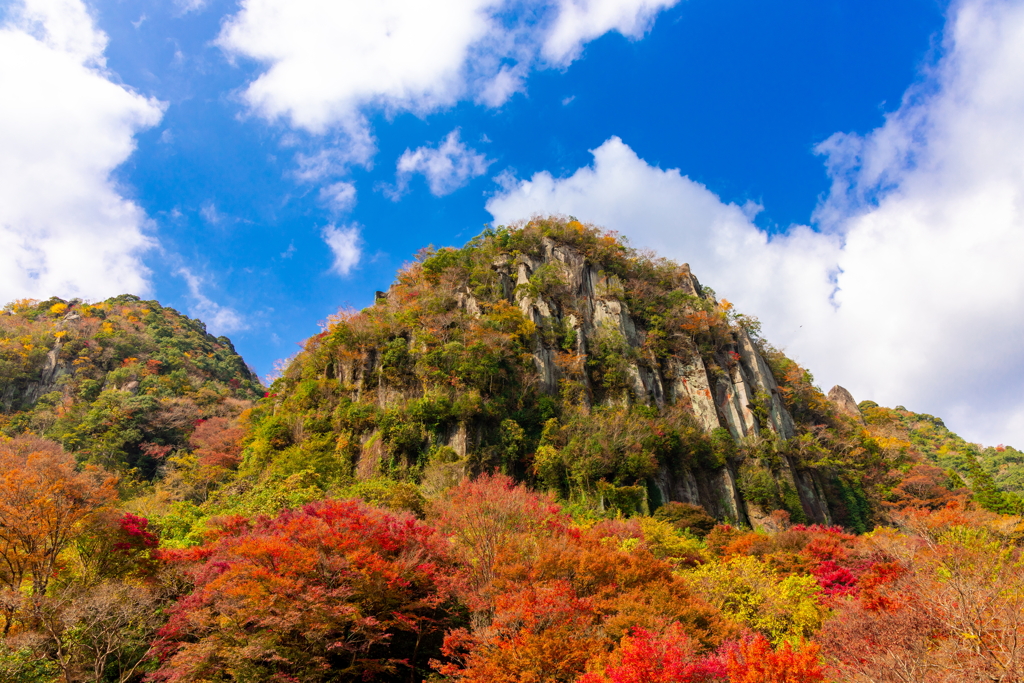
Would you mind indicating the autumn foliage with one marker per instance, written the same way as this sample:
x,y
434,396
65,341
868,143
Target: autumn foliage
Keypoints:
x,y
333,591
466,483
498,584
645,657
44,500
557,596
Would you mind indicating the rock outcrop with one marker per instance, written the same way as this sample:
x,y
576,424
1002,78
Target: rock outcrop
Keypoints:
x,y
728,399
844,402
726,388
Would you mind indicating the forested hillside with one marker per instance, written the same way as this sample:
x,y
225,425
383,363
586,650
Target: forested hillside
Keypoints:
x,y
996,472
121,383
544,456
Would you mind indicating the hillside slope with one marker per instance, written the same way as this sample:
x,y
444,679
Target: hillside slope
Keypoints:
x,y
122,383
939,457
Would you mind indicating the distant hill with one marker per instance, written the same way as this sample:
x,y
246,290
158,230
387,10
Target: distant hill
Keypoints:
x,y
121,383
996,474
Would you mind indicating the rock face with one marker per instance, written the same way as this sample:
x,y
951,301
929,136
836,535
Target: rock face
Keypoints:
x,y
844,402
728,399
730,388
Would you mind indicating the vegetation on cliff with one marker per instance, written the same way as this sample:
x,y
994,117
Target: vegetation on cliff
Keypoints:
x,y
541,457
995,473
555,353
552,352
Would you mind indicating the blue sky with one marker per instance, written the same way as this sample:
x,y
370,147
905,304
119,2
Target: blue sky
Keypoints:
x,y
850,172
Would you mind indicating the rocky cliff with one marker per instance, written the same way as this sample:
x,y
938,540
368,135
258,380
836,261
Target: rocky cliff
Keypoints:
x,y
560,355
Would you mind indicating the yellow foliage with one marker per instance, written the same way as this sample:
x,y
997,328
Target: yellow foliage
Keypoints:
x,y
19,305
667,543
893,444
511,319
58,309
751,592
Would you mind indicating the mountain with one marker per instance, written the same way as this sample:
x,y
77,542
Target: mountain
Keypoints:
x,y
179,522
121,383
550,351
556,353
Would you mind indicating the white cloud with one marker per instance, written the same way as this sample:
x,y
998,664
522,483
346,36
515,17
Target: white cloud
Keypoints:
x,y
446,167
64,26
219,319
352,145
910,291
327,61
580,21
65,227
345,244
340,197
680,218
187,6
211,215
932,209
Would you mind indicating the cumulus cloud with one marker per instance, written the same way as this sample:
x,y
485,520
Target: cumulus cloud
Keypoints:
x,y
909,290
328,61
65,227
351,145
783,280
931,206
446,167
219,319
346,247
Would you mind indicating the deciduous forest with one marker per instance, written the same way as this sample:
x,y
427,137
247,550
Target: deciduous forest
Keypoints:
x,y
544,456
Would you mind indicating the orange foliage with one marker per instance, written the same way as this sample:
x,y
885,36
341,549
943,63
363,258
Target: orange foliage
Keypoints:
x,y
44,502
753,660
548,597
492,521
218,442
941,611
542,632
923,486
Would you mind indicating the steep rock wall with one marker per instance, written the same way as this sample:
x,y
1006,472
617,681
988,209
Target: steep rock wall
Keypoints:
x,y
733,389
